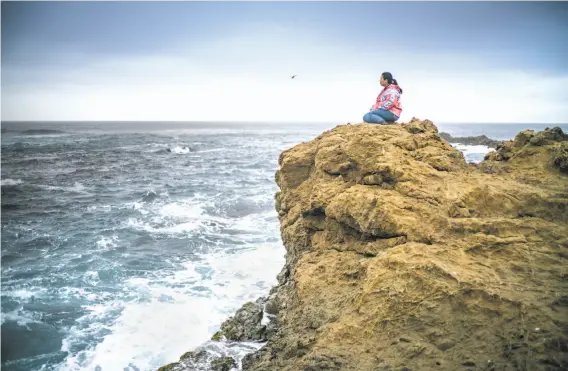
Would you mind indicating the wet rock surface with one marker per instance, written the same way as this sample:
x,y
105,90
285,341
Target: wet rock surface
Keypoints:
x,y
246,324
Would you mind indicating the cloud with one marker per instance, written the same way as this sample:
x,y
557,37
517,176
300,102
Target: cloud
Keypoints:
x,y
489,96
243,78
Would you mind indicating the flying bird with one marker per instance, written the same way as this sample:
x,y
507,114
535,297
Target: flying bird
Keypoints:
x,y
293,76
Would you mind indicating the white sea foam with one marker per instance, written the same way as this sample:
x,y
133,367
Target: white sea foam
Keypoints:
x,y
132,315
163,316
22,318
91,278
472,148
105,208
181,210
180,150
10,182
77,188
40,158
473,154
67,293
172,218
164,228
255,223
107,243
177,312
26,294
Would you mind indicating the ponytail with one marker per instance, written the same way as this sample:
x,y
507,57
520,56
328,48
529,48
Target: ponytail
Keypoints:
x,y
396,83
388,76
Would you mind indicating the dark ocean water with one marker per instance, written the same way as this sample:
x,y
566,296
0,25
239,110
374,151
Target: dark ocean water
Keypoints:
x,y
126,244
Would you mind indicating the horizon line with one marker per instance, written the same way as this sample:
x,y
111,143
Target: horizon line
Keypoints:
x,y
266,122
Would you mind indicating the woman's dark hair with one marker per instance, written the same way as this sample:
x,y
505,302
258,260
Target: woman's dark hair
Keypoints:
x,y
388,76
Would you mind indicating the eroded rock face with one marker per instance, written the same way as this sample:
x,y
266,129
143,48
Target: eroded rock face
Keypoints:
x,y
400,255
550,146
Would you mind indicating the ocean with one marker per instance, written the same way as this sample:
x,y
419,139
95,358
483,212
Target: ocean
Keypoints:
x,y
126,244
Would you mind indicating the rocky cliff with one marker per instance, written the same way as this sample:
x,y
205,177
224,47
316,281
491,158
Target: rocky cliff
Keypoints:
x,y
401,256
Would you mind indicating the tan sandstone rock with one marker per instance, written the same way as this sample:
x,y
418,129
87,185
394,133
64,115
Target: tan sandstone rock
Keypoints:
x,y
401,256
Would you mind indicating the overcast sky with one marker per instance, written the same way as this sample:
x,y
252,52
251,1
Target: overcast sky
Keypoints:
x,y
456,61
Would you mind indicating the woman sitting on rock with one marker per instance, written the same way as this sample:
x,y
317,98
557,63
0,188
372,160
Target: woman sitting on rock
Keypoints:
x,y
387,107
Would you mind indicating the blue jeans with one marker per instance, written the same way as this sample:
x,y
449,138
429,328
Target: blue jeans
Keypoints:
x,y
379,116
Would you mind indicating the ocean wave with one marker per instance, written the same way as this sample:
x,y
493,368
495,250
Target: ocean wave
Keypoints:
x,y
107,243
104,208
180,150
30,160
150,196
190,304
11,182
181,217
161,238
26,294
165,227
43,132
213,150
20,317
76,188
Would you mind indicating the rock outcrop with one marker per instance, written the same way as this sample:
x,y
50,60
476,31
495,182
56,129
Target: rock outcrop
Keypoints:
x,y
401,256
247,324
187,360
482,140
201,360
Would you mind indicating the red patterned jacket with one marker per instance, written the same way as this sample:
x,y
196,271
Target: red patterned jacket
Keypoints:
x,y
389,99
